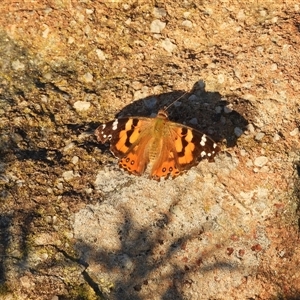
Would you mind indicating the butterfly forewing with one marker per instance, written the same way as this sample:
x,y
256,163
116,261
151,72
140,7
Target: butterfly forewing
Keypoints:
x,y
118,133
205,147
126,143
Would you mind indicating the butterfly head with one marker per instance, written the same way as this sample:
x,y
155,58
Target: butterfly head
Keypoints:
x,y
162,114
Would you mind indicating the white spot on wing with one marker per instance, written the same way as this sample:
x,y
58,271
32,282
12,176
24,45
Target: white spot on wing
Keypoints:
x,y
203,153
115,124
203,140
103,126
215,145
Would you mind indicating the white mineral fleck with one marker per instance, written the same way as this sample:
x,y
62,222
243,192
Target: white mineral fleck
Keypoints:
x,y
82,105
228,109
187,23
75,160
88,77
260,161
294,132
276,137
157,26
100,54
17,65
273,67
221,78
168,45
250,128
259,136
69,175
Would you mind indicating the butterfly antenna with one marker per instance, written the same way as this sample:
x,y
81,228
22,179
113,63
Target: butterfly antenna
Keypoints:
x,y
167,107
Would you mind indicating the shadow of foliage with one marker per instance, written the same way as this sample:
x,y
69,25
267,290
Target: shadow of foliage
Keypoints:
x,y
136,260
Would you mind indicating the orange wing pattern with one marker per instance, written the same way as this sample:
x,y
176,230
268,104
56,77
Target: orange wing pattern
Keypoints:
x,y
169,147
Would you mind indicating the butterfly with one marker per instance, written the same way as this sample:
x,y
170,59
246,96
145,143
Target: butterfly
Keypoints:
x,y
167,148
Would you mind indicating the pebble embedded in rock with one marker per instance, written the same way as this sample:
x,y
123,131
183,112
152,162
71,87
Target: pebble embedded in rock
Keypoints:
x,y
294,132
274,67
150,103
26,282
260,161
69,175
75,160
60,186
193,97
276,137
126,262
82,105
187,23
259,136
193,121
100,54
250,128
17,65
238,131
157,26
88,77
218,109
143,93
221,78
168,45
227,109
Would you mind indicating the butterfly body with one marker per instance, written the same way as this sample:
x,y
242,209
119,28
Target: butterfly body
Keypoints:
x,y
167,148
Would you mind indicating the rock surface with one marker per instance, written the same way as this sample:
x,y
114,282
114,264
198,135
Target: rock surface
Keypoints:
x,y
75,226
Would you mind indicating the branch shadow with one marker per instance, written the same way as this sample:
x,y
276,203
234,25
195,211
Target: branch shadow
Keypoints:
x,y
14,228
137,260
5,223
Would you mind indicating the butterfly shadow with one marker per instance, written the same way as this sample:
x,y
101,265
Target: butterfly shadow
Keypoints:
x,y
223,119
